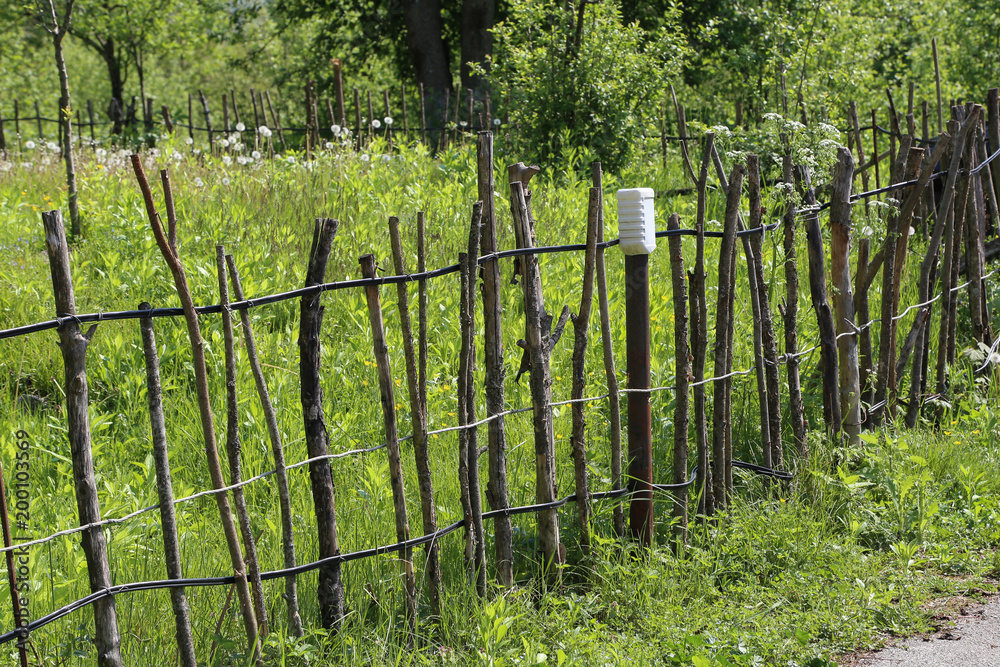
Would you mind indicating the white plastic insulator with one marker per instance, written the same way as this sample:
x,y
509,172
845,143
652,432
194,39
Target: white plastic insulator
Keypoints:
x,y
636,221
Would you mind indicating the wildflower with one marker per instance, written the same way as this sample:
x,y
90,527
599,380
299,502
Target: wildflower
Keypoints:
x,y
241,160
328,145
226,160
264,131
291,159
335,129
912,231
463,123
496,121
240,127
196,151
376,123
224,143
364,157
30,145
388,120
225,181
198,182
189,141
255,155
386,158
238,146
52,146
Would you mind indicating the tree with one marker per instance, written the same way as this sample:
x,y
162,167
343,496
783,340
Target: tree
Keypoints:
x,y
58,28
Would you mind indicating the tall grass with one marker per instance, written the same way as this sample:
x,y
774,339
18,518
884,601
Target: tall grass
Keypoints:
x,y
788,572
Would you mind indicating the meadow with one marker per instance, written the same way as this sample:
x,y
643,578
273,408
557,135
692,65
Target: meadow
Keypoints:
x,y
793,574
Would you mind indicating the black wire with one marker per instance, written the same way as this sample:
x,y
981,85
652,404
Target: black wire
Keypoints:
x,y
122,589
343,284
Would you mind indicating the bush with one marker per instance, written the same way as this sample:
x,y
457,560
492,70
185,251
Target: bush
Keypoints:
x,y
579,81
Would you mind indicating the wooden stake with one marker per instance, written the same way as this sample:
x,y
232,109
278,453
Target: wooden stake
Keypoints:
x,y
699,337
469,344
234,447
790,315
423,116
727,265
338,89
824,314
682,367
387,396
277,451
937,84
863,320
74,352
15,597
581,329
330,587
495,370
610,374
418,419
208,118
538,344
165,493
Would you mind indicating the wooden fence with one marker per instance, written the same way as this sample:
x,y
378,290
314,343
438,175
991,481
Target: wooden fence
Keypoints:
x,y
861,380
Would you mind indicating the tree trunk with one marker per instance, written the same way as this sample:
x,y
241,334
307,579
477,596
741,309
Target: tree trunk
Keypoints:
x,y
65,119
477,41
427,52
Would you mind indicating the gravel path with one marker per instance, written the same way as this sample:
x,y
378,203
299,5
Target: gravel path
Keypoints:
x,y
974,641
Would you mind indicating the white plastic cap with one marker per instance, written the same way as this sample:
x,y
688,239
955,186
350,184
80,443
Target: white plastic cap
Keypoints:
x,y
636,222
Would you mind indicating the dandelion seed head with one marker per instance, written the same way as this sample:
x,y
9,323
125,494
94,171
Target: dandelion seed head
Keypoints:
x,y
264,131
240,127
30,145
388,120
376,123
255,155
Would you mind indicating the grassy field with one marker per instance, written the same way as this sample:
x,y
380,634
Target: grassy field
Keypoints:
x,y
790,575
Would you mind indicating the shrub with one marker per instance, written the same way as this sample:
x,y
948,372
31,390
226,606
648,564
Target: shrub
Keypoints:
x,y
576,79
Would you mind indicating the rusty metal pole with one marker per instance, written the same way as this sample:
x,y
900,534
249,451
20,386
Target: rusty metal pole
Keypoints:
x,y
638,238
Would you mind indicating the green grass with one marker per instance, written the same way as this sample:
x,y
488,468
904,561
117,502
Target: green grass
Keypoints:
x,y
791,575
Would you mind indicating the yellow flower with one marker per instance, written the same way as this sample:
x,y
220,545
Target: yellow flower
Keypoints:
x,y
958,442
976,431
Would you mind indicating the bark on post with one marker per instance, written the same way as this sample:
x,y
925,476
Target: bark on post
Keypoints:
x,y
423,115
993,134
388,400
768,342
275,119
418,420
581,329
790,313
165,493
330,588
15,596
234,447
862,318
843,304
699,337
727,264
495,371
470,276
824,314
205,413
388,126
682,130
610,373
682,367
465,492
358,139
538,347
277,451
74,352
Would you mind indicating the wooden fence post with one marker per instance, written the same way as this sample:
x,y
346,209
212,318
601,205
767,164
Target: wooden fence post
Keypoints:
x,y
338,90
234,447
821,304
277,450
699,336
388,400
727,266
74,352
581,329
495,370
165,492
15,596
682,368
331,588
538,346
610,374
790,312
840,271
418,420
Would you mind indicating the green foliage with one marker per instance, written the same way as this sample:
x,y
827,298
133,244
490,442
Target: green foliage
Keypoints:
x,y
586,80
